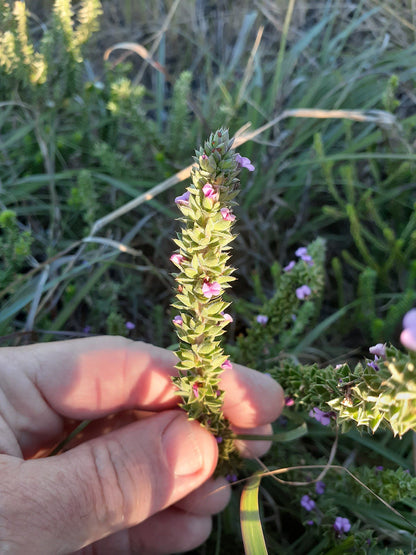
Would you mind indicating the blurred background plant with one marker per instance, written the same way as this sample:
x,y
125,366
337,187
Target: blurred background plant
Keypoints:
x,y
102,102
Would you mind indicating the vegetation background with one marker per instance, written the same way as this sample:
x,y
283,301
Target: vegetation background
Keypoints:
x,y
95,116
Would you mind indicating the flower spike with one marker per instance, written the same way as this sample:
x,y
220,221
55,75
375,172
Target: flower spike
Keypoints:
x,y
203,276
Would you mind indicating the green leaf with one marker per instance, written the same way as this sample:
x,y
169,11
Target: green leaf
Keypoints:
x,y
215,307
251,528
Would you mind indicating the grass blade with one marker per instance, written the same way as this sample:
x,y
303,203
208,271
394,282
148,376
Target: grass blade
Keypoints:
x,y
251,528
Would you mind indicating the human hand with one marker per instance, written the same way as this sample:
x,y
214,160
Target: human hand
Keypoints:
x,y
143,488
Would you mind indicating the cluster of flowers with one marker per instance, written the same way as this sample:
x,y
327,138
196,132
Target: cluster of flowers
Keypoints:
x,y
304,291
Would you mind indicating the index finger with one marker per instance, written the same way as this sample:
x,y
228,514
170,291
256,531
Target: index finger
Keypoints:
x,y
89,378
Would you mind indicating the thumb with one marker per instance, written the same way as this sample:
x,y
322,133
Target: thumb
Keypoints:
x,y
113,482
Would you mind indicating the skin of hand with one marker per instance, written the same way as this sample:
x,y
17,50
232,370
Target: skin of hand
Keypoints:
x,y
143,484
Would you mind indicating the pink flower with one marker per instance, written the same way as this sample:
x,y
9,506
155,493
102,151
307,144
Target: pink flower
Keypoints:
x,y
323,417
289,266
320,487
342,525
227,316
378,350
307,503
176,258
178,320
408,335
210,192
226,365
244,162
211,289
183,199
195,390
303,255
227,214
303,292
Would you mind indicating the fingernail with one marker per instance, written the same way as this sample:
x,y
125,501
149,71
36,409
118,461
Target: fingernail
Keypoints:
x,y
181,446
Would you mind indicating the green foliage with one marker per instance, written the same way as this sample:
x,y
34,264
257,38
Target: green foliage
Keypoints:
x,y
14,247
83,198
50,73
383,395
374,393
116,324
179,122
382,248
392,485
287,316
389,99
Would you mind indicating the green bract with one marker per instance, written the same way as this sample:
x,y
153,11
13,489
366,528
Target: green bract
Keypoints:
x,y
201,258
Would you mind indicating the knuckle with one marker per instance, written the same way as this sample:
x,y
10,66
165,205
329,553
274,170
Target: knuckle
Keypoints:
x,y
113,487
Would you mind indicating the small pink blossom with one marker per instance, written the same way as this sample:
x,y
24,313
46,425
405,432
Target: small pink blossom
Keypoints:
x,y
342,525
323,417
176,258
210,192
408,335
302,252
244,162
320,487
211,289
227,316
289,266
183,199
373,364
378,350
303,292
307,503
289,402
226,365
195,390
227,214
178,320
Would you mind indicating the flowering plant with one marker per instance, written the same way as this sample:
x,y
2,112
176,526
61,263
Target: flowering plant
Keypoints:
x,y
203,275
379,392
